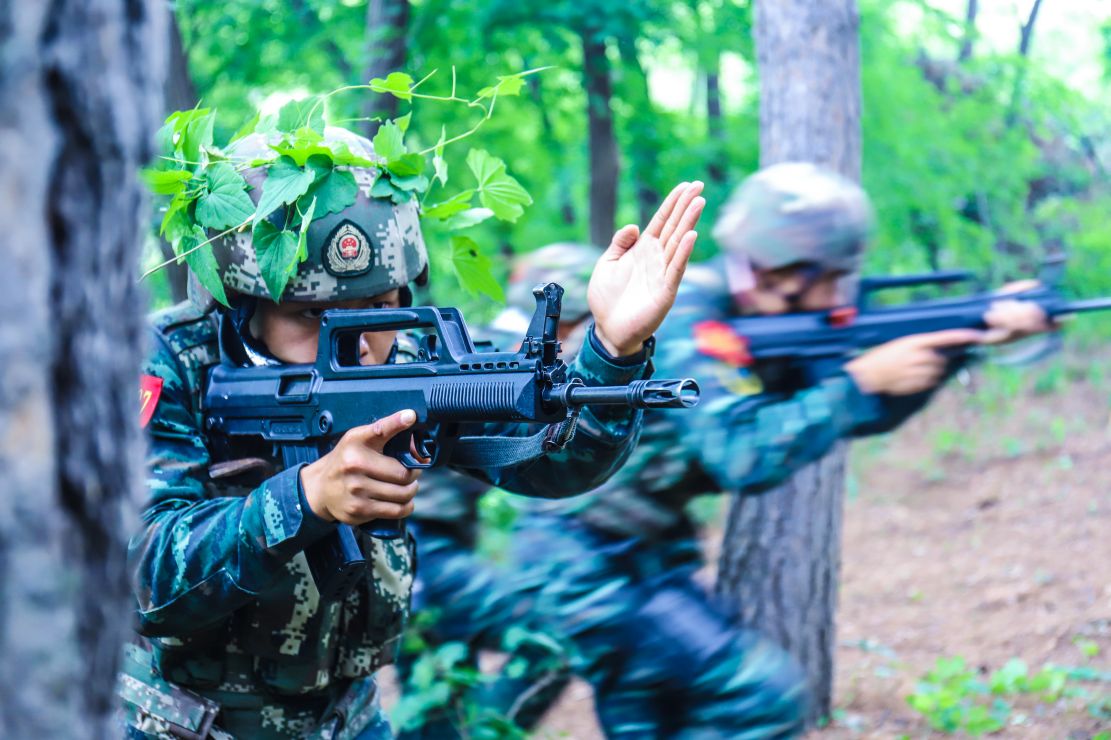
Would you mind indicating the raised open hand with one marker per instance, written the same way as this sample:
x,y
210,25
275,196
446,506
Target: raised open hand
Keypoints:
x,y
636,279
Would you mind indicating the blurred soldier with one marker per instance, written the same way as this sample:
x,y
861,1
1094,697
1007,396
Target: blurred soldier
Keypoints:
x,y
237,640
615,567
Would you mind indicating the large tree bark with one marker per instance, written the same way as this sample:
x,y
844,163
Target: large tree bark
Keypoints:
x,y
387,29
781,556
80,96
604,166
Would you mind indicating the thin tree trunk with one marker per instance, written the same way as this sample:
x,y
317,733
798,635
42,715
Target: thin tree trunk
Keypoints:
x,y
604,165
1028,30
387,28
714,124
567,204
80,96
780,561
644,145
969,37
1026,39
180,94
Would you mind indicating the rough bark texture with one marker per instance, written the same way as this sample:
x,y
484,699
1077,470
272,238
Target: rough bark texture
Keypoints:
x,y
80,95
387,28
781,556
604,166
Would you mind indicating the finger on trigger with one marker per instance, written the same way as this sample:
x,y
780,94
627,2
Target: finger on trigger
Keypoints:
x,y
951,337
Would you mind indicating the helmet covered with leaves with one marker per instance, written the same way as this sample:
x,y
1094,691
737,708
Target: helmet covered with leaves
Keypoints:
x,y
566,263
796,212
355,245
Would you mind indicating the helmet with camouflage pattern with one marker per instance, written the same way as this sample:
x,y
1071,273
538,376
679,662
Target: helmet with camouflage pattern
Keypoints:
x,y
566,263
371,247
796,212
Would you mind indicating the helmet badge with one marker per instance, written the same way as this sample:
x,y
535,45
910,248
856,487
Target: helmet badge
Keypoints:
x,y
347,251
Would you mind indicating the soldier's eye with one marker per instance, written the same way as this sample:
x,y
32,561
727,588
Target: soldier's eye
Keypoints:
x,y
382,304
312,313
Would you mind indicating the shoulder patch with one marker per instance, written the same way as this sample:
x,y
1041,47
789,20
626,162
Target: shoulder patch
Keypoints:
x,y
717,339
150,389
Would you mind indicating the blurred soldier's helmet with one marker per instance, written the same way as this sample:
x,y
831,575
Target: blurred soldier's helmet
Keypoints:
x,y
371,247
796,212
566,263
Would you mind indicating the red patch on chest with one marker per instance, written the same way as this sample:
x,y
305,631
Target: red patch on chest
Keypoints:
x,y
150,389
716,339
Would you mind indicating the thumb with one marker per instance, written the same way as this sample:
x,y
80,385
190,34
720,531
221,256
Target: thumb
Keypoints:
x,y
950,338
376,435
624,239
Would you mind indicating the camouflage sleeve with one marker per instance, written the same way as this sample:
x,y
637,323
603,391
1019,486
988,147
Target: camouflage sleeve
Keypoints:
x,y
603,439
198,558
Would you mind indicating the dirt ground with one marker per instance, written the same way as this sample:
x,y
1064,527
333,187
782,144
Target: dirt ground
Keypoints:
x,y
982,529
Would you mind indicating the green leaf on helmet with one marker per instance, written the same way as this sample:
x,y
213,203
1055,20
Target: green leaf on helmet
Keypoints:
x,y
165,182
407,165
505,197
397,84
382,188
474,269
468,218
332,190
276,250
307,113
342,155
202,262
388,142
285,182
246,129
303,232
193,130
448,208
410,183
226,203
175,222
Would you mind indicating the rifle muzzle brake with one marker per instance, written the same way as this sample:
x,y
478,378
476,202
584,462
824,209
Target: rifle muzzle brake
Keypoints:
x,y
640,394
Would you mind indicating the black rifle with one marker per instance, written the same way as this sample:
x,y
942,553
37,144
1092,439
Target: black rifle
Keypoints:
x,y
797,350
304,409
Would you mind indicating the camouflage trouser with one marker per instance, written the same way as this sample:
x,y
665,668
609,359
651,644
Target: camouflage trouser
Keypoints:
x,y
663,661
476,604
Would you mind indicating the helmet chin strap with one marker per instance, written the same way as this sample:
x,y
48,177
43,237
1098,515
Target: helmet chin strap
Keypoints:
x,y
237,345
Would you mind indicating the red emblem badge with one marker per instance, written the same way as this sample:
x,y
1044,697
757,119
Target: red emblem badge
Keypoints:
x,y
349,247
716,339
150,388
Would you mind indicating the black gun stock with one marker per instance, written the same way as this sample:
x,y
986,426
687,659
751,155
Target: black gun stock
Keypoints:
x,y
303,409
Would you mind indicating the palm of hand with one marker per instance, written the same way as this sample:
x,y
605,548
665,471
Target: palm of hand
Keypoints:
x,y
635,281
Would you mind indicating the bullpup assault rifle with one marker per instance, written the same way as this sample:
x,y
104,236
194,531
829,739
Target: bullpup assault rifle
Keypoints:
x,y
794,351
452,387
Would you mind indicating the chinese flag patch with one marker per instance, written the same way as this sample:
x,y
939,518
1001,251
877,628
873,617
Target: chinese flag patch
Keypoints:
x,y
716,339
150,388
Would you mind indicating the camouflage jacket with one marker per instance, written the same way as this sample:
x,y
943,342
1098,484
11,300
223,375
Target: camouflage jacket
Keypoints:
x,y
726,443
222,585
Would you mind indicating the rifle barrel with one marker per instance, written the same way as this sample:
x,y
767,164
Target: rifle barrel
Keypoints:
x,y
640,394
1091,304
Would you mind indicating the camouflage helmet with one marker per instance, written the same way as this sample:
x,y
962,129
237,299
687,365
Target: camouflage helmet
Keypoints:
x,y
566,263
371,247
796,212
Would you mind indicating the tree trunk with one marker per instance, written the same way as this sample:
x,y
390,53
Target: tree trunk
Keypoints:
x,y
180,94
80,96
387,28
603,143
644,144
781,557
715,129
969,37
567,203
1028,30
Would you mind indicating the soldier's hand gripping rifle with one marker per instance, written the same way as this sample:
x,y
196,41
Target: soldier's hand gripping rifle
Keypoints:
x,y
304,409
795,351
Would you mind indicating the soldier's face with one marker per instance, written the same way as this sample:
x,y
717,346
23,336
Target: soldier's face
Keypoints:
x,y
794,288
291,330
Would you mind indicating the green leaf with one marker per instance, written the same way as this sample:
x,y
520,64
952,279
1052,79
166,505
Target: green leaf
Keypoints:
x,y
485,166
455,204
505,197
298,114
382,188
388,143
202,262
403,122
194,133
165,182
410,183
474,270
332,190
439,164
396,84
507,85
468,218
285,182
407,165
246,129
342,155
276,250
226,203
303,232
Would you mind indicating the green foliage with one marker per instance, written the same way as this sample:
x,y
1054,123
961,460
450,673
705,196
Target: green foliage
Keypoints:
x,y
955,698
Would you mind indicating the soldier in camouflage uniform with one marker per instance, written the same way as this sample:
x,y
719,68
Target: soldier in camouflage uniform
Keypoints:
x,y
614,568
473,601
236,640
